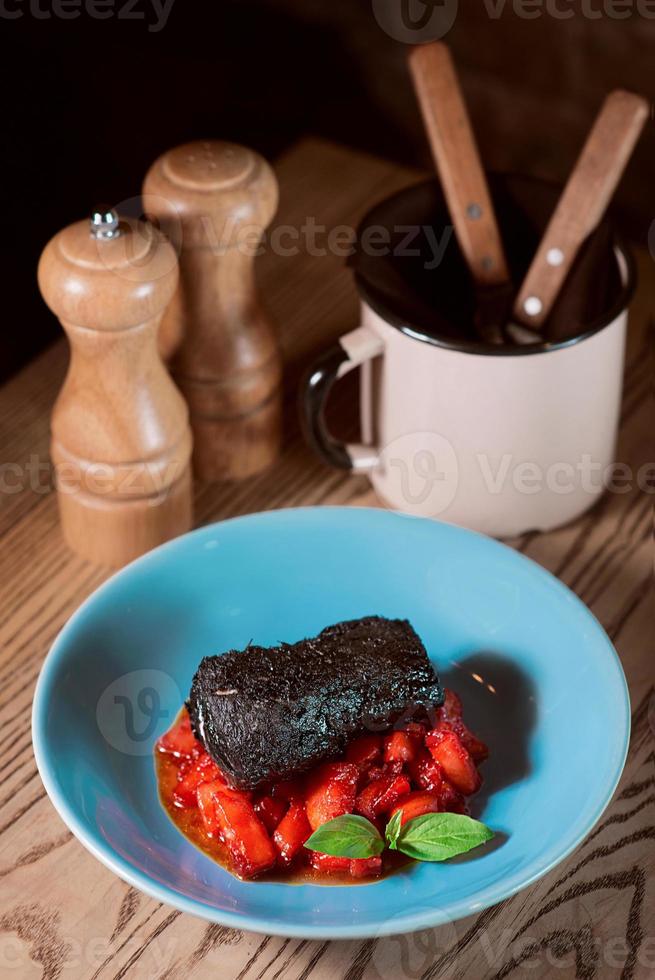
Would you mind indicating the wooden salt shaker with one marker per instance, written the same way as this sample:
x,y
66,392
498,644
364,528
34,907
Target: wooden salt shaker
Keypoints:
x,y
121,442
214,201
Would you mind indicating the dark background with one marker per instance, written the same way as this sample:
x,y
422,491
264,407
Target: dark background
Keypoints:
x,y
89,103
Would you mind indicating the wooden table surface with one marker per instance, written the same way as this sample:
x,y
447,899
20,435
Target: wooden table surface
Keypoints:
x,y
62,914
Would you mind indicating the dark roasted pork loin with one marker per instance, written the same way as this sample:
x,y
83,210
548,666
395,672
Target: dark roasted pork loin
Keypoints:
x,y
269,713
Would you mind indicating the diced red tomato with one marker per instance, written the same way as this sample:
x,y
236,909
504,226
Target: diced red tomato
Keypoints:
x,y
447,749
376,772
327,863
202,770
270,811
365,867
451,800
229,815
476,748
291,833
417,803
426,771
180,740
381,795
451,712
401,747
357,867
207,807
412,769
365,750
418,728
451,709
331,792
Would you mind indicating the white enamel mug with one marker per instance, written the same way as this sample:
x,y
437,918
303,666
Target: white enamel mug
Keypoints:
x,y
503,440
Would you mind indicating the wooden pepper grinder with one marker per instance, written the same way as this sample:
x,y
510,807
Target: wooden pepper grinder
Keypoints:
x,y
214,201
121,442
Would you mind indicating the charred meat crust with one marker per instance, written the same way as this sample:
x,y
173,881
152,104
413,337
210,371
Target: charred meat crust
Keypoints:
x,y
266,714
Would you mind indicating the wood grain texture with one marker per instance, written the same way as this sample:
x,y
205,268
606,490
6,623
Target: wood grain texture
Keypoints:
x,y
215,200
64,915
583,203
121,442
456,155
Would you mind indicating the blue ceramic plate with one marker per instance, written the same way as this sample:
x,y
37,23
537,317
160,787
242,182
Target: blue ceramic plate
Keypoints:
x,y
540,681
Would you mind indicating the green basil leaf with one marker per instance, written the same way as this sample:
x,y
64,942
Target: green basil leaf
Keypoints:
x,y
348,836
439,836
393,830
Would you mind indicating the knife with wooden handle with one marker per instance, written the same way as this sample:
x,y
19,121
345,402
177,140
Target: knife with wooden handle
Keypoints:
x,y
582,204
456,155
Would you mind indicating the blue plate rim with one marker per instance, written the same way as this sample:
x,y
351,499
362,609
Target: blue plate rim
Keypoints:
x,y
401,925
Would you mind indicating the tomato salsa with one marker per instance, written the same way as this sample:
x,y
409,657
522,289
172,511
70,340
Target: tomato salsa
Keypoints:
x,y
417,768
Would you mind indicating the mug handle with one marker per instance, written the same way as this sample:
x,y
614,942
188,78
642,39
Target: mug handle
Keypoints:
x,y
350,351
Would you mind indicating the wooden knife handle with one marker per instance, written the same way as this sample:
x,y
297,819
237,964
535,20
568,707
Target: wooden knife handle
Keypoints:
x,y
455,153
582,204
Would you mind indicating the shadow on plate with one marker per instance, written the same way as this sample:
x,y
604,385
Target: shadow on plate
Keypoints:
x,y
500,705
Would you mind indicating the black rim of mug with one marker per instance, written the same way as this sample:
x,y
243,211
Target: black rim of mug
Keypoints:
x,y
504,350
